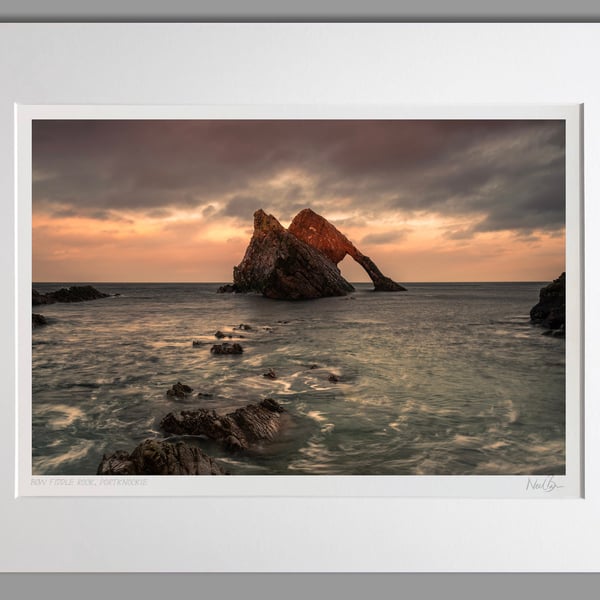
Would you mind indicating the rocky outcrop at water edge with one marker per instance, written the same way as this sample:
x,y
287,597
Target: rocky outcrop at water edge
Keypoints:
x,y
158,457
238,430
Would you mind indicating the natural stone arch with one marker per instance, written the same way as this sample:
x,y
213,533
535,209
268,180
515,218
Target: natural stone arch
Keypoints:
x,y
319,233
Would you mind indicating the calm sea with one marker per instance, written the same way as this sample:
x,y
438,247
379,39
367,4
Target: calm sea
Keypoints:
x,y
444,379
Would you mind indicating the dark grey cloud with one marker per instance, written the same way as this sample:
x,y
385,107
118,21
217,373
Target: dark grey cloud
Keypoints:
x,y
505,174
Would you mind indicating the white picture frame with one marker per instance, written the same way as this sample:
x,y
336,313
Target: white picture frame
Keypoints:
x,y
406,533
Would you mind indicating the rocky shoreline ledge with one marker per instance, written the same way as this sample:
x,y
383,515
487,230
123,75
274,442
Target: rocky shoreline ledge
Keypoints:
x,y
75,293
549,312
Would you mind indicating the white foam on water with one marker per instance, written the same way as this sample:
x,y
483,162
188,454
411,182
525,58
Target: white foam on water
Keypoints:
x,y
59,415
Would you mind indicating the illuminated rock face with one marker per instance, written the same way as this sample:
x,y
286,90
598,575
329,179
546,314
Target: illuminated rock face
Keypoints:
x,y
300,263
319,233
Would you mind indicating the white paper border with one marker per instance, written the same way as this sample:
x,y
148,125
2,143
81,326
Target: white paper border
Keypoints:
x,y
498,486
361,64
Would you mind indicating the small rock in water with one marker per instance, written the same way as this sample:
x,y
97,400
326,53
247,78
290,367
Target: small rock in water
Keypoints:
x,y
313,367
333,378
244,327
226,348
270,374
179,390
38,320
204,395
227,289
196,343
220,335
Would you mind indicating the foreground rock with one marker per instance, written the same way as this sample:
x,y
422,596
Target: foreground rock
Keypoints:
x,y
157,457
75,293
549,312
238,430
179,390
319,233
38,320
278,265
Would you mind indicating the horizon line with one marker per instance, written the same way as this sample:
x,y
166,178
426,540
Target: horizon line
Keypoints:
x,y
229,282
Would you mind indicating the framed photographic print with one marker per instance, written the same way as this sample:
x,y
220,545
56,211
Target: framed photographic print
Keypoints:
x,y
156,360
327,301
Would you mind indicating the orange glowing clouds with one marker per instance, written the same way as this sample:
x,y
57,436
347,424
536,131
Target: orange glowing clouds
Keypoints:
x,y
184,247
172,201
179,250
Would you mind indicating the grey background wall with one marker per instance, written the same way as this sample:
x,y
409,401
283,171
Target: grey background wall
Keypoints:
x,y
215,586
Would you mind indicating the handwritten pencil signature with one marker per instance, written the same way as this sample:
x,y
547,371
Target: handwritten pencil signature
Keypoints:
x,y
546,485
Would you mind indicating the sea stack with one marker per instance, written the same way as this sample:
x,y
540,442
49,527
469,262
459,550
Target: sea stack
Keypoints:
x,y
549,312
279,265
300,263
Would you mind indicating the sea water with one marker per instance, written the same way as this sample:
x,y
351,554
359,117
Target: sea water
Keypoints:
x,y
443,379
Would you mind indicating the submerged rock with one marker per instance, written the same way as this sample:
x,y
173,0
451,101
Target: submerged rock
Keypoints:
x,y
549,312
319,233
179,390
38,320
158,457
278,265
76,293
333,378
270,374
227,289
227,348
237,430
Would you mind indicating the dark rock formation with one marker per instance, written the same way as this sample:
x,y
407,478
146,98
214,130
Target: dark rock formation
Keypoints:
x,y
220,335
157,457
333,378
38,320
279,265
319,233
270,374
237,430
550,310
179,390
227,348
37,298
75,293
227,289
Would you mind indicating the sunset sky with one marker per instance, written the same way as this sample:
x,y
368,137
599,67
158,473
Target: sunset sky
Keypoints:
x,y
160,201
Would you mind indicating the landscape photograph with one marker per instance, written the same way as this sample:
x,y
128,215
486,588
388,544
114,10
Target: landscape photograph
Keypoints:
x,y
298,297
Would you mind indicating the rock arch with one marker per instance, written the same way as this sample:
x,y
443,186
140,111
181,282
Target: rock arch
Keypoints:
x,y
319,233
